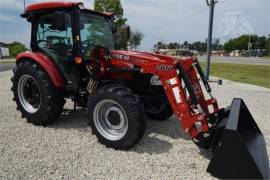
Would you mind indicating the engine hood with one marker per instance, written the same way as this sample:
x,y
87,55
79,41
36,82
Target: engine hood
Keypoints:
x,y
140,57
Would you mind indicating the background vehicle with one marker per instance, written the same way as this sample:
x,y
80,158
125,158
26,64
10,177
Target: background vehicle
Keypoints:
x,y
183,53
73,56
254,53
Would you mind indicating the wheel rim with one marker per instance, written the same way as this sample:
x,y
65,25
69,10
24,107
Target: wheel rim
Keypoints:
x,y
28,93
110,120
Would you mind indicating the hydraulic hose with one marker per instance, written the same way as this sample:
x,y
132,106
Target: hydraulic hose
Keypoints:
x,y
204,80
188,84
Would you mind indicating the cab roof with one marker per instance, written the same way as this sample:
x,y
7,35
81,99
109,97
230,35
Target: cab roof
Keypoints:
x,y
57,4
49,5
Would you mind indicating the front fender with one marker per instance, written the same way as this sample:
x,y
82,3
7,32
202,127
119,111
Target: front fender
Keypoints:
x,y
46,63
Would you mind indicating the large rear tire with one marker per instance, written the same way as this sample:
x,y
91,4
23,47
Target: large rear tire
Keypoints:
x,y
116,116
36,97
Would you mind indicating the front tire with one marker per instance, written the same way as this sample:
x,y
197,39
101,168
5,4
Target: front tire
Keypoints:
x,y
116,116
36,97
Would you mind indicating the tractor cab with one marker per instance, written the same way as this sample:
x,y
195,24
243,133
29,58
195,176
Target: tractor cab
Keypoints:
x,y
68,33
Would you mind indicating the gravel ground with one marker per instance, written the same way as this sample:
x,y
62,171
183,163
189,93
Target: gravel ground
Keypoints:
x,y
67,150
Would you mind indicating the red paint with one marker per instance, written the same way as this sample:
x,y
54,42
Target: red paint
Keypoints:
x,y
58,4
108,13
48,5
46,64
148,63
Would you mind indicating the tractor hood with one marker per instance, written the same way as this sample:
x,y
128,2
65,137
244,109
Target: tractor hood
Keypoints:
x,y
147,62
135,57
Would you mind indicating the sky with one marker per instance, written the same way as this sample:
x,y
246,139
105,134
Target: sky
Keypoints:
x,y
162,20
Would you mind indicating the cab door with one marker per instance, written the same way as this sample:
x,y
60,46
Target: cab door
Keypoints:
x,y
54,38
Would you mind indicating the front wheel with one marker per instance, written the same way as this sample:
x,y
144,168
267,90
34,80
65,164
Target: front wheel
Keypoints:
x,y
116,116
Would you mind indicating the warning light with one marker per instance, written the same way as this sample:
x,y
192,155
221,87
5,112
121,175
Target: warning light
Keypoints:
x,y
78,60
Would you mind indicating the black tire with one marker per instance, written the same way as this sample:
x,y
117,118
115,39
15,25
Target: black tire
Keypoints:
x,y
160,115
131,106
51,101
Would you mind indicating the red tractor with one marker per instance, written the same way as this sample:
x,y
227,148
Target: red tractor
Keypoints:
x,y
73,56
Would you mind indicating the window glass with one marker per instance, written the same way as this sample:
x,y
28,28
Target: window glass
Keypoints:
x,y
54,34
96,30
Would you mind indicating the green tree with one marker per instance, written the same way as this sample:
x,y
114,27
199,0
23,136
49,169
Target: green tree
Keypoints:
x,y
241,43
174,45
135,39
160,45
121,38
115,6
199,46
16,48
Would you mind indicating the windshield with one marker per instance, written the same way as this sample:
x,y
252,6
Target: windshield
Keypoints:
x,y
96,31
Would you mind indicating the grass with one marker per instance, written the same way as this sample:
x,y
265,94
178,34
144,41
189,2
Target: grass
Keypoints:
x,y
251,74
265,57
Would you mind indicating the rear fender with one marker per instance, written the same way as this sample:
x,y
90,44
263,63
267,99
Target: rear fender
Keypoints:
x,y
46,63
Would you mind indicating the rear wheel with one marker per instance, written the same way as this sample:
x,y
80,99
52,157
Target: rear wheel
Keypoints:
x,y
116,116
36,97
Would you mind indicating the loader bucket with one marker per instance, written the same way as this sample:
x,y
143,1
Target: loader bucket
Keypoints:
x,y
241,150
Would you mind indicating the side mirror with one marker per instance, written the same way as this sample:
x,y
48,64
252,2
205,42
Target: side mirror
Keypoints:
x,y
127,30
114,29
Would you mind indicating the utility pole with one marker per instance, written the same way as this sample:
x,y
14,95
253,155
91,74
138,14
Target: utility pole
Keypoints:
x,y
211,4
249,45
24,5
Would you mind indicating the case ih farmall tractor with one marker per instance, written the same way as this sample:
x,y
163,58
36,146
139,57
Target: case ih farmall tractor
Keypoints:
x,y
73,57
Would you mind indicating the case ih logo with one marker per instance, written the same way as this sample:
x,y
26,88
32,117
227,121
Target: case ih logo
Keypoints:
x,y
164,67
120,56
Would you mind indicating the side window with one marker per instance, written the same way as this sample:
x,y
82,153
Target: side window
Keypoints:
x,y
54,35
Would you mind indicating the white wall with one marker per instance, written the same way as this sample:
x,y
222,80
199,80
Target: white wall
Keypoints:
x,y
4,52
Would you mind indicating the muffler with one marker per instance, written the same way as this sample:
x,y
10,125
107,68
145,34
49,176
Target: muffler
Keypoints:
x,y
240,151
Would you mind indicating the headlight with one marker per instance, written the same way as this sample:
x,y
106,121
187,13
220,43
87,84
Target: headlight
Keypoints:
x,y
154,81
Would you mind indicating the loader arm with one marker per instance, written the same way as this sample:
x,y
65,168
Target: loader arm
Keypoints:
x,y
187,99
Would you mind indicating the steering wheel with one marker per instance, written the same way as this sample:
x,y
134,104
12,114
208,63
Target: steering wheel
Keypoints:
x,y
86,44
42,40
47,45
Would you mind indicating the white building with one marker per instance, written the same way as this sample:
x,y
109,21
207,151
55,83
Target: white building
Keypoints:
x,y
4,51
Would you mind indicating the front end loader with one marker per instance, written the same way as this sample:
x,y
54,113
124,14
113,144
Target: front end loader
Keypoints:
x,y
73,56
